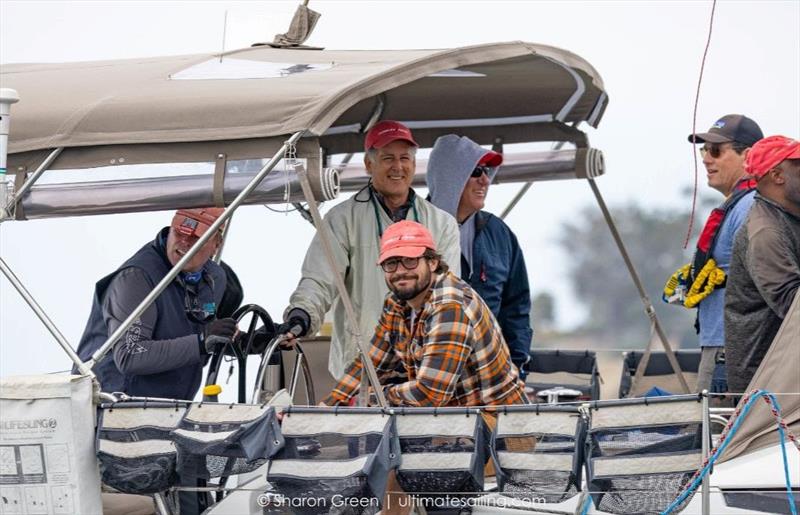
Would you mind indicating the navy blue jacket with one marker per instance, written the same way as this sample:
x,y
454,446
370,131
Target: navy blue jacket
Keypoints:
x,y
501,279
177,375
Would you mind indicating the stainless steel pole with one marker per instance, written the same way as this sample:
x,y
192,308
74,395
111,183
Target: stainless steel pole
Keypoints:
x,y
648,306
161,286
363,347
33,178
62,341
706,499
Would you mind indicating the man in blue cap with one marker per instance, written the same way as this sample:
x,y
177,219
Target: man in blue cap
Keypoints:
x,y
724,149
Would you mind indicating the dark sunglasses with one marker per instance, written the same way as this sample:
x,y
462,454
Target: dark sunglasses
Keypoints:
x,y
409,263
479,170
715,149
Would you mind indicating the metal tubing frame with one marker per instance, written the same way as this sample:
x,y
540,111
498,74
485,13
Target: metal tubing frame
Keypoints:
x,y
33,178
161,504
706,495
162,285
225,231
648,306
62,341
525,187
322,230
262,371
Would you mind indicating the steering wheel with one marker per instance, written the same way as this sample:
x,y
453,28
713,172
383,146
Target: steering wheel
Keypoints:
x,y
239,350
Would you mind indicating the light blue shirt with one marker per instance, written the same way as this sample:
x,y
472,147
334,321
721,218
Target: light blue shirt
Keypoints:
x,y
710,311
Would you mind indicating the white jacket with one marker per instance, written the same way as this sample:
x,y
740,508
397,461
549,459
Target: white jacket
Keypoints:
x,y
354,229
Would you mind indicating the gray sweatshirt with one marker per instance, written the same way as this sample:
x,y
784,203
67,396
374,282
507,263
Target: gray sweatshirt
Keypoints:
x,y
451,162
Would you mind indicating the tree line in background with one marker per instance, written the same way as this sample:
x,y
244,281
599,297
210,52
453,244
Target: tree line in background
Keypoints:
x,y
600,280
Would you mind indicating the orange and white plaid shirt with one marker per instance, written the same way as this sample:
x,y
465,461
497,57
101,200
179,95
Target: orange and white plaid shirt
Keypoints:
x,y
453,355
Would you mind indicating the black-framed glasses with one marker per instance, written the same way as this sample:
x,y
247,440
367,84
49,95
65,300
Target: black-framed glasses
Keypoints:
x,y
409,263
479,170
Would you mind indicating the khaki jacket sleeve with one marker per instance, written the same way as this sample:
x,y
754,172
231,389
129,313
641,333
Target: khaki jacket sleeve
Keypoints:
x,y
450,244
316,290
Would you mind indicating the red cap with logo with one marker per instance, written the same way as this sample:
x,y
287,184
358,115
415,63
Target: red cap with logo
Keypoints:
x,y
195,222
491,158
768,153
405,239
385,132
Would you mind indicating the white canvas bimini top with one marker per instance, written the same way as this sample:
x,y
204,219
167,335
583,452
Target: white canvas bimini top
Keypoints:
x,y
168,109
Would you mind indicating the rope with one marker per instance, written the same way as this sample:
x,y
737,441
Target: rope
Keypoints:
x,y
587,504
694,124
733,425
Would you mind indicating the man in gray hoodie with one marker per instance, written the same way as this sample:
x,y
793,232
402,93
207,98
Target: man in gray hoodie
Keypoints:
x,y
458,177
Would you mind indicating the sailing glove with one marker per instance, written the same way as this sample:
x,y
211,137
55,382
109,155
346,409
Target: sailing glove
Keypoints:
x,y
297,321
217,334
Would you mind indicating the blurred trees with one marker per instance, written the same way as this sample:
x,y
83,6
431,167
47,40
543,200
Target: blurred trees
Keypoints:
x,y
543,312
601,281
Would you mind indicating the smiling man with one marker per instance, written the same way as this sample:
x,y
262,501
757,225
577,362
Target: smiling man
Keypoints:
x,y
435,328
765,268
724,149
357,226
459,174
162,354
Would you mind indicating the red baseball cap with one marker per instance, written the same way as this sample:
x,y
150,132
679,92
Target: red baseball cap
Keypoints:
x,y
405,239
195,221
385,132
491,158
768,153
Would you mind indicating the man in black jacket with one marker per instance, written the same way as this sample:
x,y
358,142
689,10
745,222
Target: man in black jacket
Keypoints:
x,y
163,353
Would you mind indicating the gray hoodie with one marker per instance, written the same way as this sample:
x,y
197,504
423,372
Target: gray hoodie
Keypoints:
x,y
450,164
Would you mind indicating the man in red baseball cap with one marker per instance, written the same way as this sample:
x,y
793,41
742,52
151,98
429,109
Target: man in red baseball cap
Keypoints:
x,y
357,226
459,174
437,329
765,266
162,354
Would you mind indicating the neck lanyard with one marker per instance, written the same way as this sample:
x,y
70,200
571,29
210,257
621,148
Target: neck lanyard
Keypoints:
x,y
378,214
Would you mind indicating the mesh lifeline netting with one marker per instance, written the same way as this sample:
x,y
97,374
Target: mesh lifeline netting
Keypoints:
x,y
442,454
640,455
538,453
221,440
340,460
135,452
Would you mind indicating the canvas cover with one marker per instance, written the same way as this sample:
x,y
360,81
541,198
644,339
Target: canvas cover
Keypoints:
x,y
158,109
47,457
779,373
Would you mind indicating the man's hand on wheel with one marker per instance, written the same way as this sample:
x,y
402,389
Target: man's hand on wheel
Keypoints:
x,y
296,325
217,334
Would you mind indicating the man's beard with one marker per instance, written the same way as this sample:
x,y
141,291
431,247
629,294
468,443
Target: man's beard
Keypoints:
x,y
421,284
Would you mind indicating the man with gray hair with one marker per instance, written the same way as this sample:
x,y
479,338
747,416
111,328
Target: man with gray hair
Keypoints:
x,y
356,227
459,174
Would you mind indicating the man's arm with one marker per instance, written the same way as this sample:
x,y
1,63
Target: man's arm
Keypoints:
x,y
317,288
383,358
449,245
774,271
445,350
135,352
515,307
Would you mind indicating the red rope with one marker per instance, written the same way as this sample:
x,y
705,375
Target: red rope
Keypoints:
x,y
694,124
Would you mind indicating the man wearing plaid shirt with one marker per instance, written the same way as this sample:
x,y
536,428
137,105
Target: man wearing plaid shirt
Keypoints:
x,y
436,329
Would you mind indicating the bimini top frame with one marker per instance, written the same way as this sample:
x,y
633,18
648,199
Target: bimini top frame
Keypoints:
x,y
241,103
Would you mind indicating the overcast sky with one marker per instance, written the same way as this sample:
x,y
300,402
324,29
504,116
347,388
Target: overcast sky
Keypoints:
x,y
648,54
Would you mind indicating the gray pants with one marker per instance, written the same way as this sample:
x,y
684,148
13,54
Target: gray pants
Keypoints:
x,y
708,362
